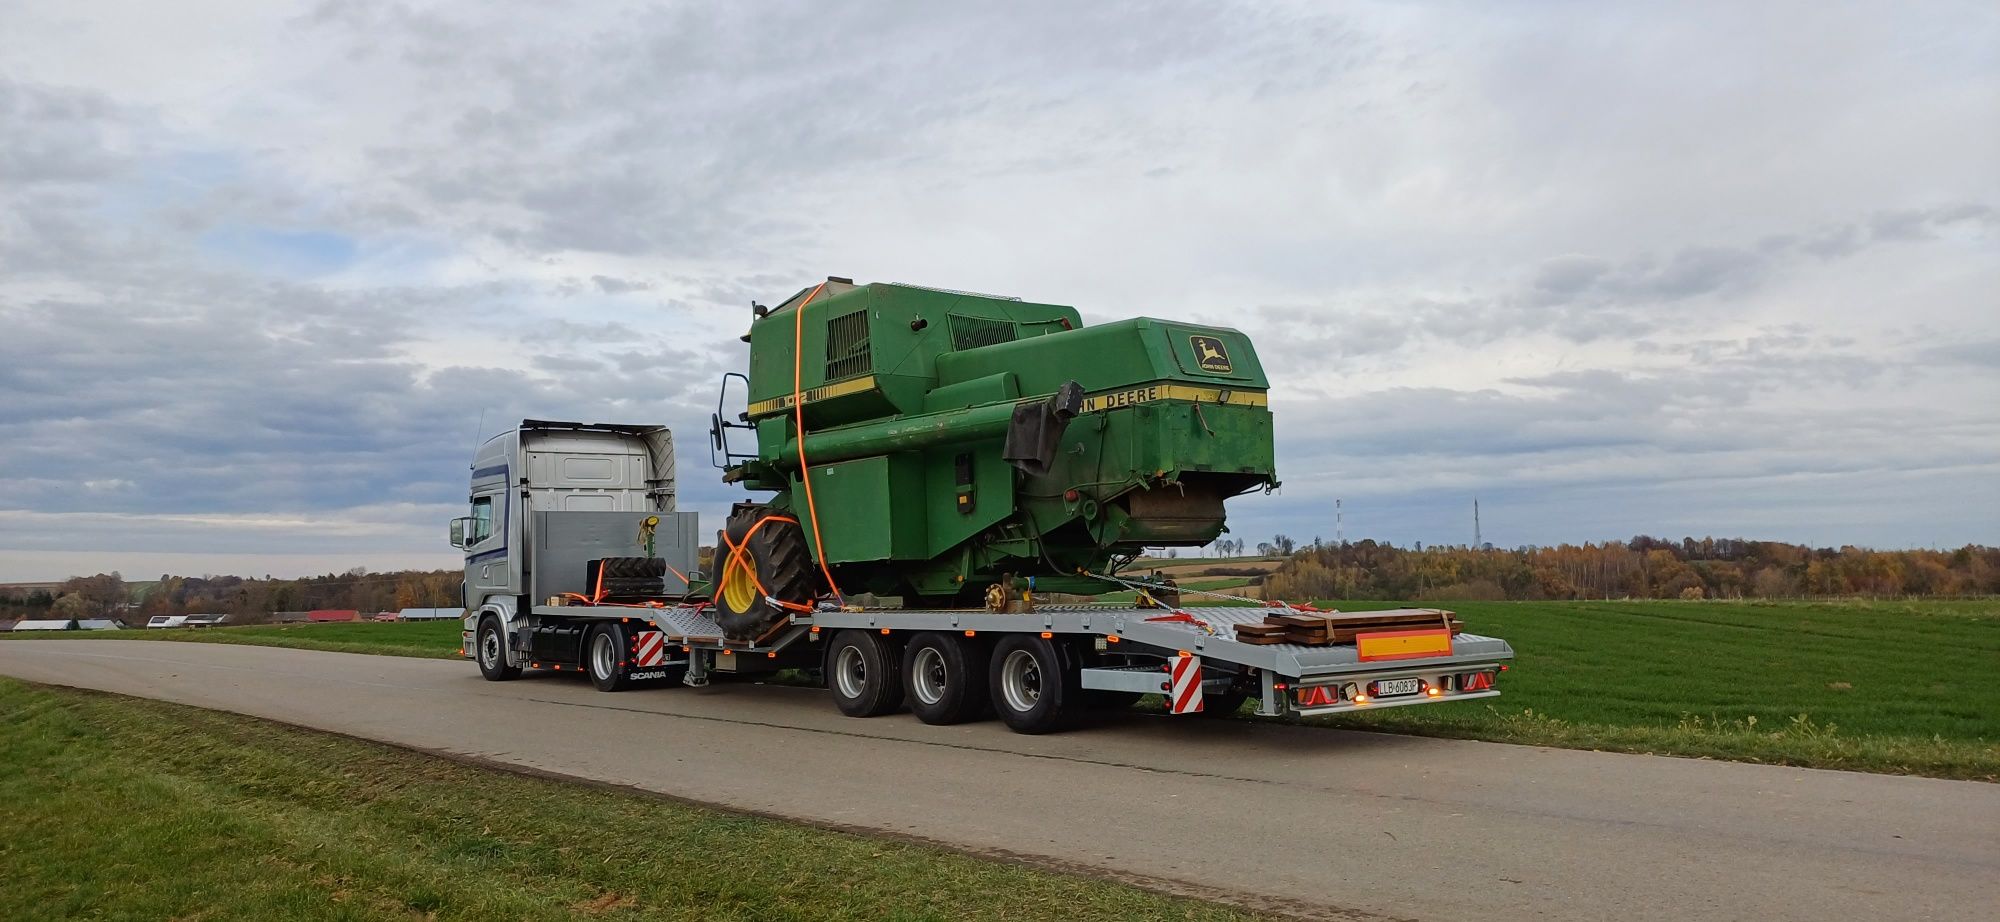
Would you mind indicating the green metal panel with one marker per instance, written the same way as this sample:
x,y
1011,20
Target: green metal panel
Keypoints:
x,y
866,509
992,493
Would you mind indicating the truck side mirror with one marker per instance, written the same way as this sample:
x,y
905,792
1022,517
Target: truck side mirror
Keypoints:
x,y
461,531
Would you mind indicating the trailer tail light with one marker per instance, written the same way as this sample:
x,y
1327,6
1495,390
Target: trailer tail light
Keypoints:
x,y
1475,681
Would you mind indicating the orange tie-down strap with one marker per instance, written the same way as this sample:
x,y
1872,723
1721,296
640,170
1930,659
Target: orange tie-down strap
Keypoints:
x,y
736,551
1394,645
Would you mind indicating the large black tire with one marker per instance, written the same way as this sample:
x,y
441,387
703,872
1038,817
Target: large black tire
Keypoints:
x,y
605,656
861,670
775,557
1035,684
944,678
490,647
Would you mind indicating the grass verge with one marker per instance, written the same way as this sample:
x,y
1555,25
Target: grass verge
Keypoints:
x,y
126,808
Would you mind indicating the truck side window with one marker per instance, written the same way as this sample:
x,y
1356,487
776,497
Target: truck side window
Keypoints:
x,y
482,519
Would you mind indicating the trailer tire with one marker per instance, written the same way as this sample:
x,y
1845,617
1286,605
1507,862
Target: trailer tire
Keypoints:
x,y
944,678
604,658
1035,684
861,670
490,648
775,560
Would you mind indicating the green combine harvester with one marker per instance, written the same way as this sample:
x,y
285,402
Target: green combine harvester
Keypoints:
x,y
934,444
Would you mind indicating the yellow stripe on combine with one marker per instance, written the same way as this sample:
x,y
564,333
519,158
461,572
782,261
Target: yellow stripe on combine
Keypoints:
x,y
1147,393
1103,400
822,392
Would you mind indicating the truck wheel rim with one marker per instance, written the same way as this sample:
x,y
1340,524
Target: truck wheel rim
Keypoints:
x,y
602,657
850,671
739,586
1021,681
489,648
927,675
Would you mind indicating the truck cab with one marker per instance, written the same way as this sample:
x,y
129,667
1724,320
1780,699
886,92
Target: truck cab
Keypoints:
x,y
557,509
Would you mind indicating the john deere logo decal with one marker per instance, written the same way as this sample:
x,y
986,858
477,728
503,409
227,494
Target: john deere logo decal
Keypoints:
x,y
1209,355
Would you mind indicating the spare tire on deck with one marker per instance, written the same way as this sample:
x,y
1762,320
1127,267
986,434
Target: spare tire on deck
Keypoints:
x,y
774,561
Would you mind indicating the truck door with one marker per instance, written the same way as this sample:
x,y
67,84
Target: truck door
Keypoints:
x,y
486,552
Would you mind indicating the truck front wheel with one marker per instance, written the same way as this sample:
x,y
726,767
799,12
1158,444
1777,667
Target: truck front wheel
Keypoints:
x,y
861,671
492,650
1034,685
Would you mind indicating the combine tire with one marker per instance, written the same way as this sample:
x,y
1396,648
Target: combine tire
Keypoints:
x,y
861,670
1035,686
944,678
491,650
603,655
774,557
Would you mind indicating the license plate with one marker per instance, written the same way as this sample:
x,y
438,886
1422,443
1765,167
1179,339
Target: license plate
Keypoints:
x,y
1386,688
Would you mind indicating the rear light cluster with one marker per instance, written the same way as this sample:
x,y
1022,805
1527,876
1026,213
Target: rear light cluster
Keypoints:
x,y
1475,681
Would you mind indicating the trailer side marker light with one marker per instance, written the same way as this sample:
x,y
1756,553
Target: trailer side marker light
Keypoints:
x,y
972,633
815,629
685,650
1280,686
729,653
1503,667
773,654
1045,636
885,630
1112,638
1182,653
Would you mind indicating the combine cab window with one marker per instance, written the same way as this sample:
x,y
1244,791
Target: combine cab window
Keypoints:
x,y
482,519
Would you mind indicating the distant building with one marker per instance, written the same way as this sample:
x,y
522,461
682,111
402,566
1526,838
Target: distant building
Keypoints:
x,y
333,614
431,614
8,625
205,620
64,624
98,624
384,616
167,621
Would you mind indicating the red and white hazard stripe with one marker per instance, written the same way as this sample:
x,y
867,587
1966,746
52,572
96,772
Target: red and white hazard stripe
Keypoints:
x,y
1184,693
650,649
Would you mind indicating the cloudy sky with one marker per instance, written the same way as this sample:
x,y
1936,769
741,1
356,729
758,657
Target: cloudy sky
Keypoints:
x,y
268,269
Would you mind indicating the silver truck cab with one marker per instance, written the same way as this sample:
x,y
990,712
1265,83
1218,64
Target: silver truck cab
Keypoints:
x,y
548,499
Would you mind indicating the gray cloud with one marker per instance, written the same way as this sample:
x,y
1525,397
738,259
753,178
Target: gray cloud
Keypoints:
x,y
1608,267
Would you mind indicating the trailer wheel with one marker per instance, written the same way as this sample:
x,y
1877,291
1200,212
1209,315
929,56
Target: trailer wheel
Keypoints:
x,y
603,654
774,561
861,670
491,644
944,678
1035,687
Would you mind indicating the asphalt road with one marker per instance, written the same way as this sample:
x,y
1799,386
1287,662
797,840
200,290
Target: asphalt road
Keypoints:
x,y
1317,822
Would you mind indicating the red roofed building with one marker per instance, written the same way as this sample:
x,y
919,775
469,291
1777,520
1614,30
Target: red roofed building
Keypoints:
x,y
333,614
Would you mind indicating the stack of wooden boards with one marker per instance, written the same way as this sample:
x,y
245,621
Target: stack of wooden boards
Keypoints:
x,y
1321,629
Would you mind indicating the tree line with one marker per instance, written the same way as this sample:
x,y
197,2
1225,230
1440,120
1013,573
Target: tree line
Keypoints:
x,y
1644,567
245,600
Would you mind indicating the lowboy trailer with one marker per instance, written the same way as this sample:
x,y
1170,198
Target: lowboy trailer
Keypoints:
x,y
578,561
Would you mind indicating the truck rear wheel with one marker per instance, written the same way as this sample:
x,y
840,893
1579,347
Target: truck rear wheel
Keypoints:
x,y
861,671
604,657
774,562
944,678
491,649
1035,686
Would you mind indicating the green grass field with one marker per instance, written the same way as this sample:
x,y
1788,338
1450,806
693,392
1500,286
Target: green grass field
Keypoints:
x,y
120,808
1877,686
402,638
1903,687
